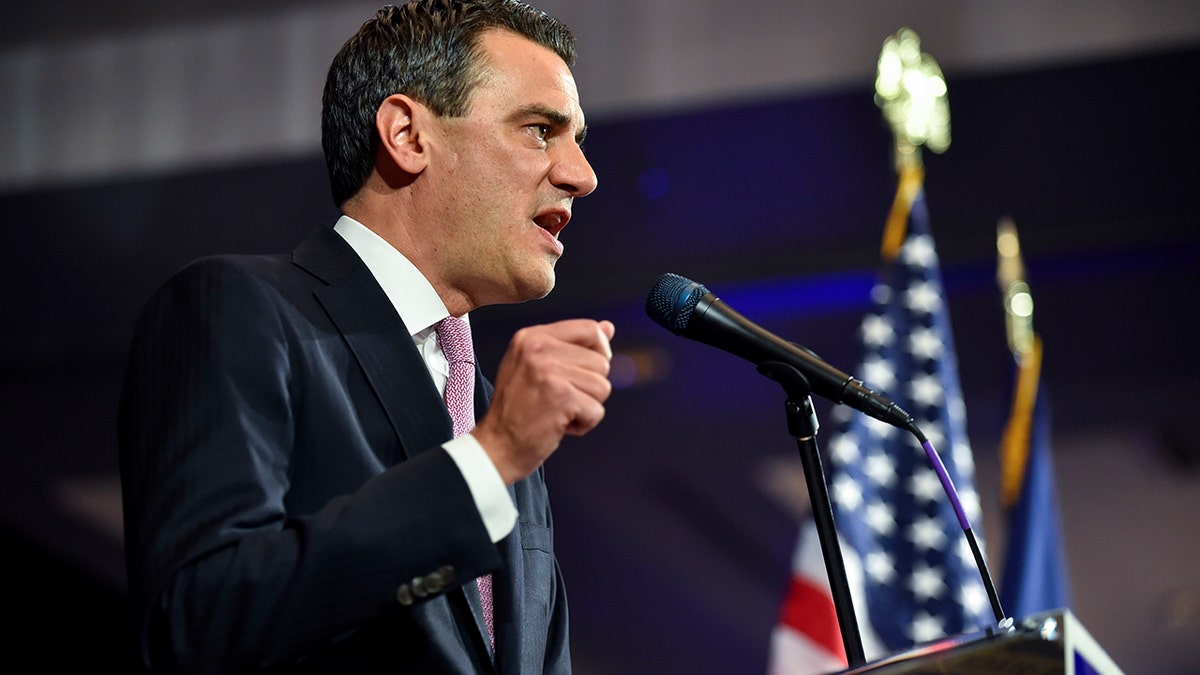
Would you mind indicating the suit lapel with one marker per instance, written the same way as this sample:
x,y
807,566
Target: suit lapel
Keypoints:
x,y
379,341
397,374
384,350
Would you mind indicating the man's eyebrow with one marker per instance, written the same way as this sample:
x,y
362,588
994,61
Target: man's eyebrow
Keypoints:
x,y
556,118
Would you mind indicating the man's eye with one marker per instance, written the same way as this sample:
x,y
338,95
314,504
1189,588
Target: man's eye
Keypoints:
x,y
540,130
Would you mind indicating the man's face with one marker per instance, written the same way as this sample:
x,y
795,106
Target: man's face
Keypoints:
x,y
504,175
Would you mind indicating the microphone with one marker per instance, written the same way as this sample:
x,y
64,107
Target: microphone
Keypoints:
x,y
687,308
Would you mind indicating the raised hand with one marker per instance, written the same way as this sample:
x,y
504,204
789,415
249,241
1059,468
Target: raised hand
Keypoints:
x,y
552,381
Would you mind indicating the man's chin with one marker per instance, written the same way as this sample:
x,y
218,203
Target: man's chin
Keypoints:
x,y
542,289
531,287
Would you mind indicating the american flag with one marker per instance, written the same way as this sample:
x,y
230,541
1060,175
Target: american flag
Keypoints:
x,y
910,568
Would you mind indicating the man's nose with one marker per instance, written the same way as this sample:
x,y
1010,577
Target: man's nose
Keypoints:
x,y
574,173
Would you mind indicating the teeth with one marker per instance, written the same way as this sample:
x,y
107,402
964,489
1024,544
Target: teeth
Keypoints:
x,y
549,221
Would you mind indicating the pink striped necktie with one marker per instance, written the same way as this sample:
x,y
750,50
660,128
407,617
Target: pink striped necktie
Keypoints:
x,y
454,338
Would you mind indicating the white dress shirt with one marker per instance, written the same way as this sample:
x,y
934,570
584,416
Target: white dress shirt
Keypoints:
x,y
421,308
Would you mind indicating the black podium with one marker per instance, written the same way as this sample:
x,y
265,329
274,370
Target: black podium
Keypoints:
x,y
1050,643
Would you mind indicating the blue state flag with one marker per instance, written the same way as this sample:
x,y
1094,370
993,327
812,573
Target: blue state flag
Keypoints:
x,y
1035,572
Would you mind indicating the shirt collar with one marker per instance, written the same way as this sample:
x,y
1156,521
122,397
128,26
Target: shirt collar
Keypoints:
x,y
410,292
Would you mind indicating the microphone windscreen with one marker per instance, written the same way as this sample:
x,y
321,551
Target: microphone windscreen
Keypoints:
x,y
672,300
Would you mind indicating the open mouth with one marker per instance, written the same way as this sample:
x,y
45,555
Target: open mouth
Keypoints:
x,y
552,221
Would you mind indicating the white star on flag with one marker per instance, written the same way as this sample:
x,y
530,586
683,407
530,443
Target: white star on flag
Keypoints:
x,y
927,533
925,343
880,567
925,486
880,519
926,583
847,493
877,331
925,390
844,449
926,627
918,251
880,469
973,598
878,374
923,297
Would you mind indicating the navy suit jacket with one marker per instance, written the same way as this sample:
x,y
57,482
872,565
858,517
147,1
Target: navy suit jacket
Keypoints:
x,y
286,495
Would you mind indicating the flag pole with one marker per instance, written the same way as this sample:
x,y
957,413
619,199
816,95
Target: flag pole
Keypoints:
x,y
911,91
1034,566
1026,348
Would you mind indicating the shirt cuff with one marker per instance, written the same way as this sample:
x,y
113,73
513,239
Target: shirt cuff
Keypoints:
x,y
491,496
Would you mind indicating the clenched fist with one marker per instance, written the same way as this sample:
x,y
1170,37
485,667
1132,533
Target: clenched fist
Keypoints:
x,y
552,381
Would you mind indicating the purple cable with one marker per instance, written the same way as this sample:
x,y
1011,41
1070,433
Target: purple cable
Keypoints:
x,y
947,484
976,551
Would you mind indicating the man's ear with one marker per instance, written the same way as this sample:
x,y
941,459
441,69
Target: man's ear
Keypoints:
x,y
402,124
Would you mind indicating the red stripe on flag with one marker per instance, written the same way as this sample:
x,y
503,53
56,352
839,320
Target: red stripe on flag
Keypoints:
x,y
809,610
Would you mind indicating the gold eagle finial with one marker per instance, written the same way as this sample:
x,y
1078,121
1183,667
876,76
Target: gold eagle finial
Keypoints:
x,y
911,91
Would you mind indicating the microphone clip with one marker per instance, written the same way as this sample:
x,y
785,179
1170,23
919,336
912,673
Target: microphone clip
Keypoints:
x,y
801,416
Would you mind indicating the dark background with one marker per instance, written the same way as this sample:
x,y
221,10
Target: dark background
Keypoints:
x,y
673,531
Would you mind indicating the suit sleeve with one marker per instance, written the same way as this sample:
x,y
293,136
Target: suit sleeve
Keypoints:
x,y
223,575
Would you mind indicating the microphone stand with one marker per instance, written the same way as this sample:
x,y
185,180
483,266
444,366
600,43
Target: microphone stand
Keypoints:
x,y
803,425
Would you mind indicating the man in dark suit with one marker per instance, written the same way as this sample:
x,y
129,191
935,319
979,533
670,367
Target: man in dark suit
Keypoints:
x,y
295,495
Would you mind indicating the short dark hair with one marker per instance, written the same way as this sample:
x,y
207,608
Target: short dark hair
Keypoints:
x,y
426,49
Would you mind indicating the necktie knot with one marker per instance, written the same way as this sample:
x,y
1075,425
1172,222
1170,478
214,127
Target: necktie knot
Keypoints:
x,y
454,337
